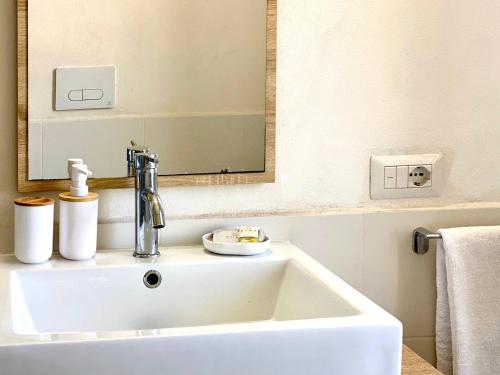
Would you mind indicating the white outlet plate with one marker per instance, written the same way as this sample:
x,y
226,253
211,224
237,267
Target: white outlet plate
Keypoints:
x,y
85,88
390,176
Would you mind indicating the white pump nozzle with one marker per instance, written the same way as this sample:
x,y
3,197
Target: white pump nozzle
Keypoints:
x,y
71,162
78,174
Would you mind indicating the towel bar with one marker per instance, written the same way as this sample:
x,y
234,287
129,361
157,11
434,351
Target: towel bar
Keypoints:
x,y
420,240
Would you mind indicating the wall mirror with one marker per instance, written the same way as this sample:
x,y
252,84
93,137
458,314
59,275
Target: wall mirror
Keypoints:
x,y
192,80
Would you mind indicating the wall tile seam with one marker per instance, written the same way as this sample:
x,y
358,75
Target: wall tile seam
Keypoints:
x,y
319,212
308,213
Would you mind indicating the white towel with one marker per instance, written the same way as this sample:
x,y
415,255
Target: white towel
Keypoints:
x,y
468,301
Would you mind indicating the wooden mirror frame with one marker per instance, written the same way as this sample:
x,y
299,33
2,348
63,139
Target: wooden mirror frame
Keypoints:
x,y
25,185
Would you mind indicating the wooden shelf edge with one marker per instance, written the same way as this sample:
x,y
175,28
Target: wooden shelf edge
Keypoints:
x,y
413,364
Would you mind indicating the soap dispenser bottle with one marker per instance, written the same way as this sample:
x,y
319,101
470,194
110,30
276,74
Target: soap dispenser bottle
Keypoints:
x,y
78,215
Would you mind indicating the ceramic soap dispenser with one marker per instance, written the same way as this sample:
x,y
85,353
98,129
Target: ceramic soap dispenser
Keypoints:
x,y
78,215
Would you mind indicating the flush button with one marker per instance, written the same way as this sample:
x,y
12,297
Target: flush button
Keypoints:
x,y
92,94
75,95
390,178
85,88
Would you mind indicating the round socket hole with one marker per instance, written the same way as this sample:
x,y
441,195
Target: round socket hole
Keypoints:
x,y
419,176
152,279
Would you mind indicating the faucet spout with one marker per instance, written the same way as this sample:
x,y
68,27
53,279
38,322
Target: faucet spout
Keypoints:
x,y
153,201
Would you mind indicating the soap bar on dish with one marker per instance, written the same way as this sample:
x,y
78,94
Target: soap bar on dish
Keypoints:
x,y
248,234
225,236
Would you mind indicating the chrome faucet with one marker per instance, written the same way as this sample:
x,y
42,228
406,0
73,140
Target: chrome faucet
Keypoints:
x,y
149,215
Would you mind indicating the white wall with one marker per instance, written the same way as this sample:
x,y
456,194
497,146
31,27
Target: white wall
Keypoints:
x,y
354,78
362,77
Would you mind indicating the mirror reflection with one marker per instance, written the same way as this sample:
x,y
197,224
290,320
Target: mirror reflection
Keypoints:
x,y
180,77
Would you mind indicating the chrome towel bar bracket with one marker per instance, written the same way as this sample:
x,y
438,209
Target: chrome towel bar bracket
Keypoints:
x,y
420,240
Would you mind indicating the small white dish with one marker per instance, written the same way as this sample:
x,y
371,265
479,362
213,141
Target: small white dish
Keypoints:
x,y
235,248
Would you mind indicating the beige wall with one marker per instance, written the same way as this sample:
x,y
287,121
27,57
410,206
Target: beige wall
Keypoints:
x,y
172,57
8,99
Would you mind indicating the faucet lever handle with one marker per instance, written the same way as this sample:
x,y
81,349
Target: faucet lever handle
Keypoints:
x,y
146,160
134,150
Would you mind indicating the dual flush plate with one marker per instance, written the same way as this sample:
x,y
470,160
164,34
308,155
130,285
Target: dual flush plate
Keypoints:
x,y
85,88
406,176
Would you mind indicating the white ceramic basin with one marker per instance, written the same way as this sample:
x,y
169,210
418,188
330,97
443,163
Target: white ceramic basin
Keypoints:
x,y
279,313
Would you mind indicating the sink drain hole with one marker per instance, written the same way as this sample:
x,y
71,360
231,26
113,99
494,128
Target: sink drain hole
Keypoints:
x,y
152,279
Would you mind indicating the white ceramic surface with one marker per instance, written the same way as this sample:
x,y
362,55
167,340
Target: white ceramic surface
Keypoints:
x,y
278,313
33,233
238,248
78,229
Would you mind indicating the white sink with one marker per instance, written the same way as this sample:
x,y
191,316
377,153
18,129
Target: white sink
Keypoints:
x,y
279,313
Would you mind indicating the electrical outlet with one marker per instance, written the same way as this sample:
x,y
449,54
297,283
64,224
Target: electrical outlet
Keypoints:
x,y
420,176
406,176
